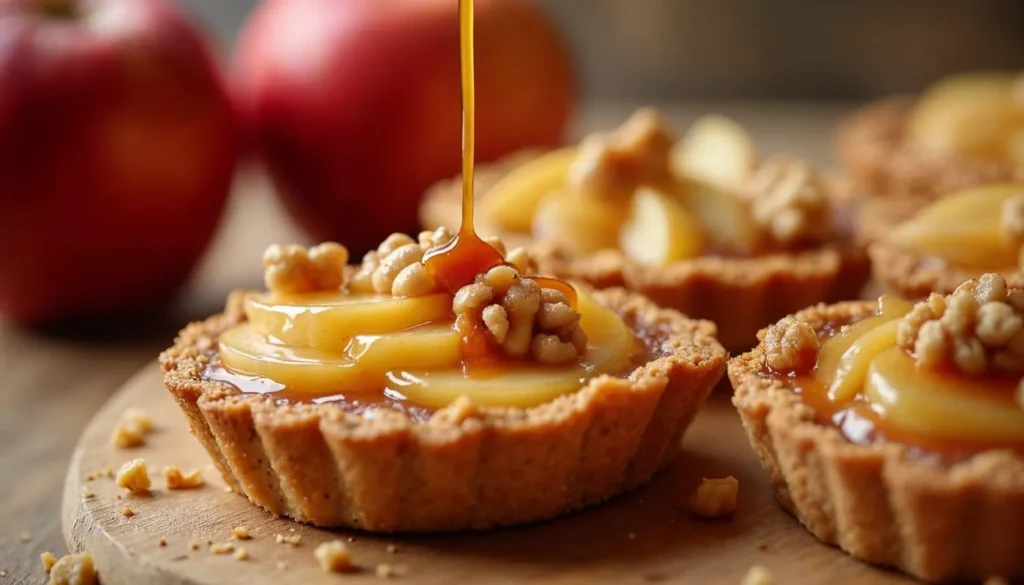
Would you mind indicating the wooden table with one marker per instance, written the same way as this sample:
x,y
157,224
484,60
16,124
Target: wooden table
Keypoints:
x,y
54,381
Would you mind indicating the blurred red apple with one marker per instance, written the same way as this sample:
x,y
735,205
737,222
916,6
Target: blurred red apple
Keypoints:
x,y
117,147
355,104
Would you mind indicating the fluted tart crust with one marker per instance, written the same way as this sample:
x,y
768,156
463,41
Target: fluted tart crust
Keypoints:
x,y
467,466
883,502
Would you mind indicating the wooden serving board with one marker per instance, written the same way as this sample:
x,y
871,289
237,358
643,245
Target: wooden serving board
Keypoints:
x,y
641,537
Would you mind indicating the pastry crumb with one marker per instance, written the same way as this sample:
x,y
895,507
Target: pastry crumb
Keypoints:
x,y
240,533
194,545
289,539
162,542
131,430
387,570
221,548
241,555
49,560
715,498
134,476
334,557
25,537
86,492
127,512
391,549
73,570
176,480
758,575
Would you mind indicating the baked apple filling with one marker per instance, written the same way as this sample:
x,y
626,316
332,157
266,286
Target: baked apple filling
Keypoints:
x,y
660,200
943,374
393,329
980,228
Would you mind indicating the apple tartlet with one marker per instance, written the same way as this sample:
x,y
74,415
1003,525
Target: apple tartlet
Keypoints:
x,y
934,248
963,131
387,398
896,430
701,225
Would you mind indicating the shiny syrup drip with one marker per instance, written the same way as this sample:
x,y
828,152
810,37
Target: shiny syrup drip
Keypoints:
x,y
861,424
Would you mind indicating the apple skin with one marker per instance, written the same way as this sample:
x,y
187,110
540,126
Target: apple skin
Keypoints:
x,y
355,105
118,143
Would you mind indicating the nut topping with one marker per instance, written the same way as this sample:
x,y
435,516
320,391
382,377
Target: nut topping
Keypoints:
x,y
789,201
978,328
294,269
790,346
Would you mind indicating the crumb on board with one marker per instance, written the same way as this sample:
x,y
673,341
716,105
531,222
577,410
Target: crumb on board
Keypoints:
x,y
334,557
761,544
194,545
175,479
25,537
715,498
241,555
222,548
86,492
289,539
387,570
131,430
240,533
127,512
73,570
758,575
392,549
49,560
134,476
162,542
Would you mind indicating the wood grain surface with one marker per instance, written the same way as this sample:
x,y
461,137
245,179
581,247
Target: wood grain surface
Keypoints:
x,y
643,536
53,381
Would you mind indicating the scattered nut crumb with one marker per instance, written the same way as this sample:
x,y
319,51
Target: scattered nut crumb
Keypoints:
x,y
130,431
49,560
715,497
176,480
127,512
162,542
790,345
221,548
334,557
194,545
241,555
240,533
758,575
789,201
392,549
134,476
25,537
295,269
289,539
73,570
90,476
86,492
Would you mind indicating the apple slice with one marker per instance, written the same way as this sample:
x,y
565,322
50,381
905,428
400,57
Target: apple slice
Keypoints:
x,y
963,228
725,216
940,404
579,224
328,321
969,115
846,351
360,367
660,230
512,202
715,150
611,346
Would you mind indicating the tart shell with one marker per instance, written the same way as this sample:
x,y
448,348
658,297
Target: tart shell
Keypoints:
x,y
881,502
467,467
741,295
872,147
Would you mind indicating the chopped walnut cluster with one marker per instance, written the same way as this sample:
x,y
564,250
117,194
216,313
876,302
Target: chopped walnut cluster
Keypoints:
x,y
521,317
978,328
73,570
396,266
614,164
790,346
133,476
789,201
1011,224
294,269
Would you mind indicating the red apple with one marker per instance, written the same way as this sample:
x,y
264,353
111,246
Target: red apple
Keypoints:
x,y
355,104
117,147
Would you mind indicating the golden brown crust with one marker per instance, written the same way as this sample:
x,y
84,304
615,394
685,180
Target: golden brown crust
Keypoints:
x,y
740,295
872,148
466,467
912,276
881,502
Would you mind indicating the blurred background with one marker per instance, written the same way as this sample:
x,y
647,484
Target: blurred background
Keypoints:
x,y
658,50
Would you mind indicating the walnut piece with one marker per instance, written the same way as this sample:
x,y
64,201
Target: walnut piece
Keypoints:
x,y
73,570
133,476
521,317
334,557
789,201
613,165
790,346
293,269
176,480
978,328
715,498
